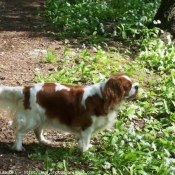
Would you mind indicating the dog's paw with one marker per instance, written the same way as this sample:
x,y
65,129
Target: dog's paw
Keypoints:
x,y
15,148
85,148
90,146
45,141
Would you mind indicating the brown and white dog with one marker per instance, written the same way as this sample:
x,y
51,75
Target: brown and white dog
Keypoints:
x,y
82,110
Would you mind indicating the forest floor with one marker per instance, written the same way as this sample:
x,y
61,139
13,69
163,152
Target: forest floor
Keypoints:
x,y
22,39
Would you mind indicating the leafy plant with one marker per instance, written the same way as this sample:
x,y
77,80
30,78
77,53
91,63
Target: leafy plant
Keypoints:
x,y
157,54
134,16
109,18
50,57
78,18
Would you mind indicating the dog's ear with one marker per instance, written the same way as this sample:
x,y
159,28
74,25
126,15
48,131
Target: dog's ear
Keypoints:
x,y
113,93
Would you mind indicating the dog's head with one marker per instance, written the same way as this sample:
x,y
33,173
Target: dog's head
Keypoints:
x,y
118,87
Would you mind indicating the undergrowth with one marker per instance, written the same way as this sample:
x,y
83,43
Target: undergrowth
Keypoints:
x,y
142,141
131,147
77,18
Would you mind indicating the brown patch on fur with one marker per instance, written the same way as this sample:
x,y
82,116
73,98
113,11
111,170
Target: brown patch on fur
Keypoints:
x,y
112,93
26,101
124,83
117,87
64,105
95,105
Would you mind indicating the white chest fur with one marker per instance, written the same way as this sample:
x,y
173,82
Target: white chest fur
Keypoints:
x,y
102,122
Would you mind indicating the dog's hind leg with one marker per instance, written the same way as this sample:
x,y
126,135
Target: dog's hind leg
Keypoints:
x,y
18,142
22,124
19,126
39,135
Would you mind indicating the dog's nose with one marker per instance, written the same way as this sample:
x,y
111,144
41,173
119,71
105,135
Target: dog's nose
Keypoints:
x,y
136,87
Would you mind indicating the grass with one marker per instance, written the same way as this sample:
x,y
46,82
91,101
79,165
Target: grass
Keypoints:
x,y
131,147
87,66
142,141
50,57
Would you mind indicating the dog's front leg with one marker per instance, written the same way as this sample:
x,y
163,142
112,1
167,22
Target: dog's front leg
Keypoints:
x,y
84,141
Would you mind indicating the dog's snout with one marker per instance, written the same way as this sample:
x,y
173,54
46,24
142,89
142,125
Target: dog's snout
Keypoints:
x,y
136,87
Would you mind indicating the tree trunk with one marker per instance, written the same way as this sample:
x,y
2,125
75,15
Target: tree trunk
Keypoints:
x,y
166,14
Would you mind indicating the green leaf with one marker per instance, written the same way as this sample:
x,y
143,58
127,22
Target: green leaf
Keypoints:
x,y
166,106
130,157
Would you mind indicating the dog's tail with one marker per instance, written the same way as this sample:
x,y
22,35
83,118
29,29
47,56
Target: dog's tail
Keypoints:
x,y
10,96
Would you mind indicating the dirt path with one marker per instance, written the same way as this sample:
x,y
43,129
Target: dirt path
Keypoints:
x,y
21,35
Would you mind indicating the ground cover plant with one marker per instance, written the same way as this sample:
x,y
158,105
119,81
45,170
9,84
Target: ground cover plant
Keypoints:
x,y
142,141
108,18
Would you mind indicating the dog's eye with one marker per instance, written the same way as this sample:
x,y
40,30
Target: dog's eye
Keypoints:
x,y
127,88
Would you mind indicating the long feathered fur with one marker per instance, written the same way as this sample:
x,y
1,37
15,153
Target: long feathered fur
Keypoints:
x,y
10,97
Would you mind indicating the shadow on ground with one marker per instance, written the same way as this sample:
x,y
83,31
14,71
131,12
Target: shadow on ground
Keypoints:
x,y
17,162
20,15
21,162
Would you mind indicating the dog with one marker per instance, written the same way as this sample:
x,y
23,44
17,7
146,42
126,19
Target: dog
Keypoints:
x,y
81,110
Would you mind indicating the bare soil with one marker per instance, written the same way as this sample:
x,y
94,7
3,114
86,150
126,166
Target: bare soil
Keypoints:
x,y
21,33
